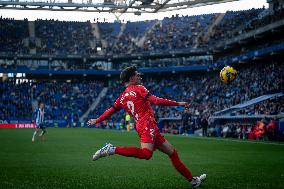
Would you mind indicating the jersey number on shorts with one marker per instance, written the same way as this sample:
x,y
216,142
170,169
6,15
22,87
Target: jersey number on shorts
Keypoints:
x,y
130,106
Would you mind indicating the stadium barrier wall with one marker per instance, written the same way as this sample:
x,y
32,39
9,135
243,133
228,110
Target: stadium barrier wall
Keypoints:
x,y
17,125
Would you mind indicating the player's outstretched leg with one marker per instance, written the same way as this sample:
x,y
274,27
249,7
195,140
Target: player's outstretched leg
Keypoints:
x,y
180,167
128,151
168,149
197,181
34,135
42,132
106,150
133,151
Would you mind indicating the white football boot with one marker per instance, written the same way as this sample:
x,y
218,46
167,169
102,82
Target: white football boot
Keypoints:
x,y
197,181
107,150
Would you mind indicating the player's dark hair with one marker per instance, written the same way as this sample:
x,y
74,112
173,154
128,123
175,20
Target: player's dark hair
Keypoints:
x,y
127,73
40,102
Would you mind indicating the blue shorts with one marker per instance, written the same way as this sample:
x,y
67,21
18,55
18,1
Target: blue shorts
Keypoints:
x,y
40,126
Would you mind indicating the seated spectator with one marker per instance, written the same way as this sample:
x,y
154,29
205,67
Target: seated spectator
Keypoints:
x,y
260,131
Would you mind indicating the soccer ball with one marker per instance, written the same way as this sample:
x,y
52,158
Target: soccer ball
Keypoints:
x,y
228,74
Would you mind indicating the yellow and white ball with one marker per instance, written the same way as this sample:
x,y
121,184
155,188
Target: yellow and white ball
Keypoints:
x,y
228,74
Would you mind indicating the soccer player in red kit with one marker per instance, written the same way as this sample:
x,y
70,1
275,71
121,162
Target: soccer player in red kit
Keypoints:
x,y
137,100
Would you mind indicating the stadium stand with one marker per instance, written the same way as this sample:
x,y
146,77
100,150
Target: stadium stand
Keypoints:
x,y
64,101
16,101
154,44
63,37
272,106
59,37
232,24
12,36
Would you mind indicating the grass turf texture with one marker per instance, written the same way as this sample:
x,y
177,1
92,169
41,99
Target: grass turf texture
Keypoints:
x,y
64,161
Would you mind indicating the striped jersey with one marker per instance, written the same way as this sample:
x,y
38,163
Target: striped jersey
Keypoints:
x,y
39,116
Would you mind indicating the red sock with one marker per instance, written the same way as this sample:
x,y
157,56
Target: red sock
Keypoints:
x,y
180,167
141,153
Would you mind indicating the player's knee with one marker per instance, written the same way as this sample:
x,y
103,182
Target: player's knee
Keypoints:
x,y
147,153
174,154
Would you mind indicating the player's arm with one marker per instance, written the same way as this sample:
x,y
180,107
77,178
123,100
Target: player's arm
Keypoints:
x,y
106,114
185,104
34,116
164,102
157,100
102,117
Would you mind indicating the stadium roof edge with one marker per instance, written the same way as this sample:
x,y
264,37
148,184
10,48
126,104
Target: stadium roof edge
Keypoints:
x,y
115,6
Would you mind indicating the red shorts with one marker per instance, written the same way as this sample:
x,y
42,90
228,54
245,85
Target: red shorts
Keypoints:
x,y
150,133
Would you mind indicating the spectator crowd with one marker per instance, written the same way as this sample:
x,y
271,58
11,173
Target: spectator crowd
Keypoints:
x,y
54,37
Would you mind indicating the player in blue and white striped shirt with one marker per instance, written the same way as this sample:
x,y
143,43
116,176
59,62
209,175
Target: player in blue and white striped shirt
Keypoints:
x,y
39,119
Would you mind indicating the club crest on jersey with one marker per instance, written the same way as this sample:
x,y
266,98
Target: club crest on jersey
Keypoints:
x,y
131,93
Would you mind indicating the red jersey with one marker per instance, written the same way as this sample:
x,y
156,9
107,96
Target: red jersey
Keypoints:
x,y
136,100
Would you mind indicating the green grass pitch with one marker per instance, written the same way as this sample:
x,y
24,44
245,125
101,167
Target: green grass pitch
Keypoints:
x,y
64,161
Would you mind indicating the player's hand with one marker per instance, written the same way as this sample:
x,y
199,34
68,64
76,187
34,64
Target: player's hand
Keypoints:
x,y
91,122
185,104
